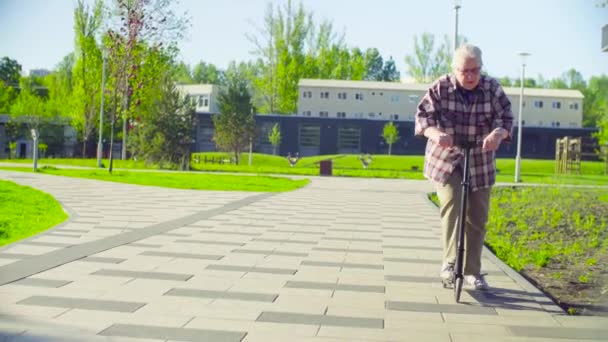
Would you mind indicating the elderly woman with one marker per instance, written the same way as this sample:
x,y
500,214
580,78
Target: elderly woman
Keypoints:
x,y
472,107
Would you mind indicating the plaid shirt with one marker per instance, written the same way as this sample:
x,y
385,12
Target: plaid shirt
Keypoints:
x,y
468,115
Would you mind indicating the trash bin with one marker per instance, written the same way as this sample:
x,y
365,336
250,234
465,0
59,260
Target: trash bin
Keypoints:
x,y
325,167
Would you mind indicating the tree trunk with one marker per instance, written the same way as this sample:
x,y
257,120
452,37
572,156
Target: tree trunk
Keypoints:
x,y
124,140
390,148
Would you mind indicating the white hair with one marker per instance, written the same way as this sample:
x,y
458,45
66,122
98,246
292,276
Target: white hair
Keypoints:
x,y
465,52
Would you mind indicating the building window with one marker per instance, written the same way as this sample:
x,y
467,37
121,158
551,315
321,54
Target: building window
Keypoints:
x,y
371,115
324,94
323,114
306,113
574,105
395,98
538,104
206,102
540,123
341,114
557,105
342,96
557,123
396,117
307,94
359,96
413,98
523,122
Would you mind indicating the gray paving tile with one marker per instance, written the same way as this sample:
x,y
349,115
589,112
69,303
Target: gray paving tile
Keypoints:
x,y
251,269
426,248
175,234
177,334
221,232
104,260
143,275
351,239
209,242
15,255
407,229
85,304
268,252
412,279
353,230
411,237
342,321
287,241
72,230
247,296
333,286
296,231
349,250
559,333
46,244
183,255
114,228
343,265
443,308
144,245
39,282
63,235
413,260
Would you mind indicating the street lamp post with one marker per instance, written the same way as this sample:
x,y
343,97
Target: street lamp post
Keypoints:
x,y
456,8
523,56
103,86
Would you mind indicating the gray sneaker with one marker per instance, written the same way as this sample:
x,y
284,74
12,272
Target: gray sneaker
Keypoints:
x,y
447,269
476,282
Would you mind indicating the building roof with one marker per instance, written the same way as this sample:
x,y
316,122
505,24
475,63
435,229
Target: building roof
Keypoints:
x,y
196,88
511,91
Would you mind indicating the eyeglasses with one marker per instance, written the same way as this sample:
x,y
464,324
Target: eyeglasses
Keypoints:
x,y
471,72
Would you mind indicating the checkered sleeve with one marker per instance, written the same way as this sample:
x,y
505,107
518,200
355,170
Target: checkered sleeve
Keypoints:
x,y
428,110
503,117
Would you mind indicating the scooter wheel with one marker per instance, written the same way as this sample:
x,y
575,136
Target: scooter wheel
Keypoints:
x,y
457,289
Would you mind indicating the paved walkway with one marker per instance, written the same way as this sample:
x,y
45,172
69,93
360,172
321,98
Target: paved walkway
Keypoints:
x,y
339,260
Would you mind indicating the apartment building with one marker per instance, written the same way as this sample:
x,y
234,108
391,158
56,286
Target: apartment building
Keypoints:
x,y
398,101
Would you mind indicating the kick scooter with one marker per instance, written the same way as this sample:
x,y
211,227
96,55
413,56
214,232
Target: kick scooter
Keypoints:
x,y
457,278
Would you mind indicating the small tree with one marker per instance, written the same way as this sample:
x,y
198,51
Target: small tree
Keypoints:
x,y
235,125
275,138
391,135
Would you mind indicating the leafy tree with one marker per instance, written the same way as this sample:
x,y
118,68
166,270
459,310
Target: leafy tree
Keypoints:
x,y
8,95
505,81
428,63
389,71
373,65
275,138
87,69
206,74
183,74
235,125
164,127
595,105
29,108
10,71
135,22
391,135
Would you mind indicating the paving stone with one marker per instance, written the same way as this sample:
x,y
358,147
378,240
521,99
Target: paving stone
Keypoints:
x,y
444,308
251,269
145,275
105,260
413,260
209,242
268,252
426,248
79,303
344,250
558,333
41,282
342,321
182,255
287,241
178,334
332,286
247,296
343,265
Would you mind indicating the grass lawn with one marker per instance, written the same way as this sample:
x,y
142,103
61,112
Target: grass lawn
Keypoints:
x,y
382,166
178,180
25,212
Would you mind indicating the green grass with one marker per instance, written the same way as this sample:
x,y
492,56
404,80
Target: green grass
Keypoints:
x,y
179,180
382,166
25,212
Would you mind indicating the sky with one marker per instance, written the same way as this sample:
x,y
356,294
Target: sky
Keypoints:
x,y
559,34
